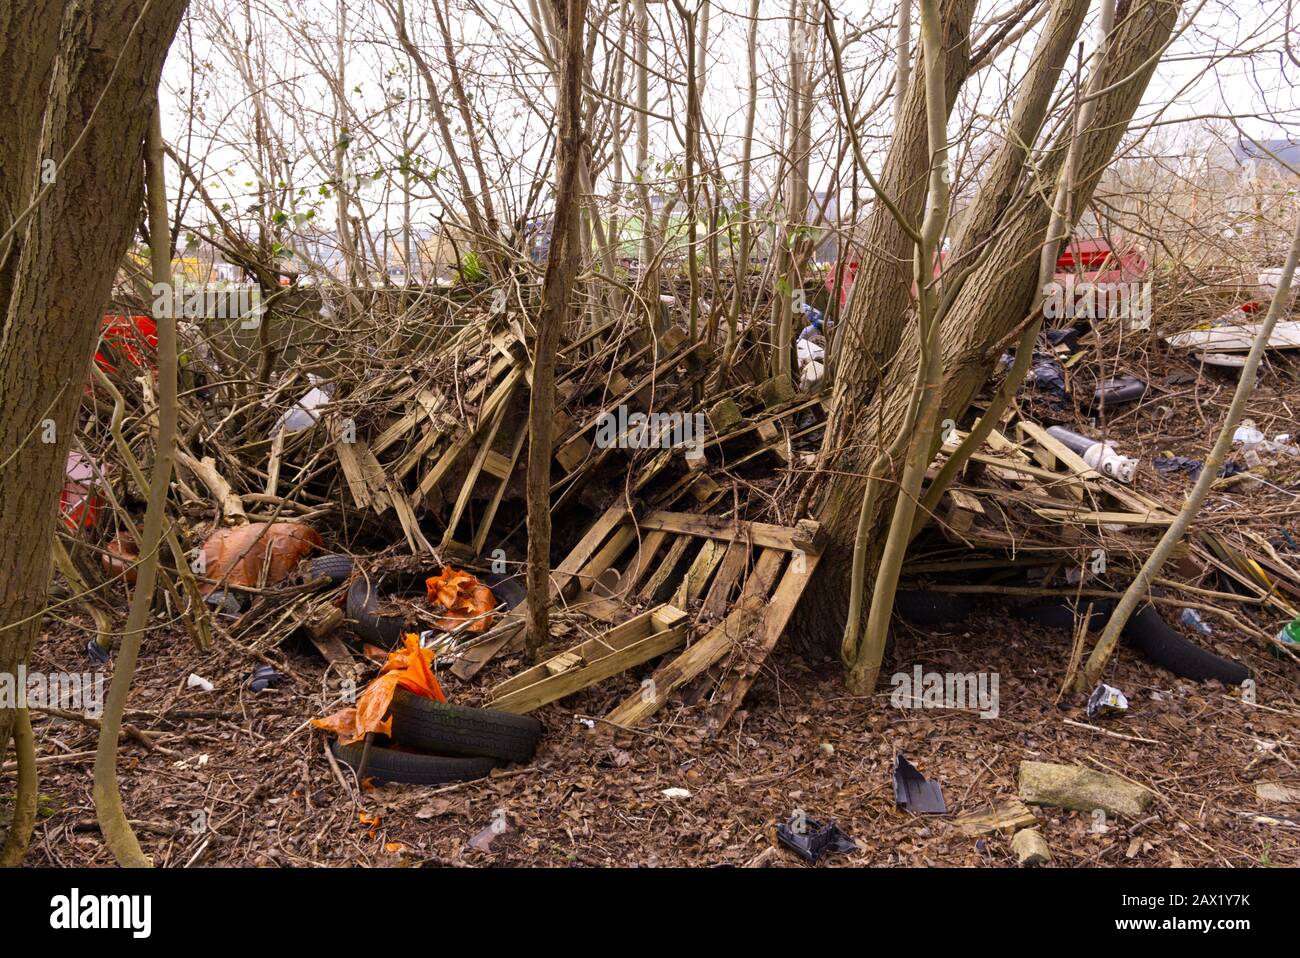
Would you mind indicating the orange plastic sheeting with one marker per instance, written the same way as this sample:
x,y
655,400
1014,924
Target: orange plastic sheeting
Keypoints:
x,y
237,555
411,667
464,598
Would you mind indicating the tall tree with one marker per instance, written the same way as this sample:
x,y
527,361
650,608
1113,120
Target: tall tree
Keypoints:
x,y
562,265
987,304
78,94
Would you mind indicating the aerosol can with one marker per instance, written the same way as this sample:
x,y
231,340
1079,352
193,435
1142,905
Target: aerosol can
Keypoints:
x,y
1100,456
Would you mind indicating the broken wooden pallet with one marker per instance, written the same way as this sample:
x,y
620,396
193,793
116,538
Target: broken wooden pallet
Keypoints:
x,y
738,580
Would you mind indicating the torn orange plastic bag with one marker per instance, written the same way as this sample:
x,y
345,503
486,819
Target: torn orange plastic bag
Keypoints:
x,y
464,598
410,667
236,555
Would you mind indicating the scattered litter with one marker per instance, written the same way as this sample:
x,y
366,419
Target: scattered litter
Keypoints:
x,y
1106,701
483,839
467,601
1118,389
224,603
265,677
1169,464
255,555
410,667
914,792
1100,456
1048,375
1290,635
304,413
1248,435
78,505
810,839
1192,619
196,681
1234,333
676,793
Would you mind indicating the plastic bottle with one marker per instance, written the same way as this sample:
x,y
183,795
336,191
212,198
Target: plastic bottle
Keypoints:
x,y
1290,635
1100,456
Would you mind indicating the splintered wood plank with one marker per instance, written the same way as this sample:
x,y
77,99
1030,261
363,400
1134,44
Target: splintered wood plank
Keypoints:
x,y
500,396
490,510
697,576
754,650
384,494
427,404
636,641
806,535
724,583
486,437
593,571
962,510
1106,518
1005,815
708,650
640,565
469,663
657,374
665,568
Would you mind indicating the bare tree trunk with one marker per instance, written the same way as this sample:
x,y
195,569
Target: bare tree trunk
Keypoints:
x,y
741,279
60,255
562,266
990,305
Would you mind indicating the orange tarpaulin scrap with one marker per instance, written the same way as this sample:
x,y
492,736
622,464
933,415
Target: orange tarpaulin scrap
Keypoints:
x,y
464,598
411,667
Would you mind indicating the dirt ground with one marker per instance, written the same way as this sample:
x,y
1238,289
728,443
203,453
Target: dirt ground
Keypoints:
x,y
237,778
242,783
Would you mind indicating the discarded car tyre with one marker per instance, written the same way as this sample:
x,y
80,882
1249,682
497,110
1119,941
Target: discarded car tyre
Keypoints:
x,y
364,597
420,722
1147,632
414,768
335,567
932,608
1152,637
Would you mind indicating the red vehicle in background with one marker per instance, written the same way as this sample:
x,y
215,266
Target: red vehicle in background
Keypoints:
x,y
1086,260
1095,261
133,338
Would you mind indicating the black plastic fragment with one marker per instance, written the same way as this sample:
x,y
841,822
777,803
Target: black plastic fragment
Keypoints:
x,y
1118,389
914,792
810,839
264,677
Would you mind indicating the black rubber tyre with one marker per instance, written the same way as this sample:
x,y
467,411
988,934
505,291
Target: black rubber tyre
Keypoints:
x,y
335,567
414,768
932,608
1147,632
420,722
1151,636
364,596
